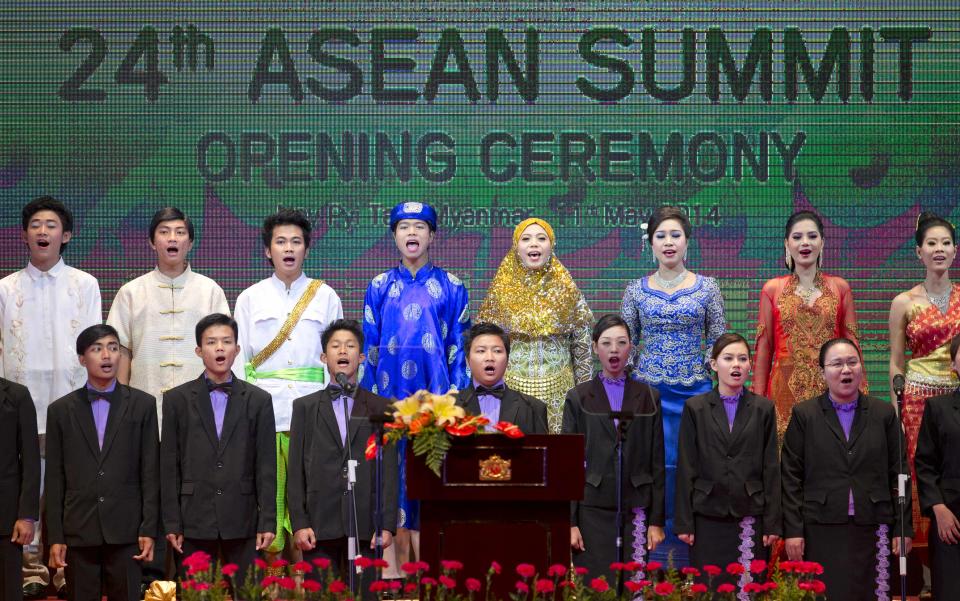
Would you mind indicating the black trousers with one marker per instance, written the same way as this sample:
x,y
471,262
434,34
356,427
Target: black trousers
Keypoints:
x,y
336,551
241,551
103,568
598,527
848,554
945,567
11,560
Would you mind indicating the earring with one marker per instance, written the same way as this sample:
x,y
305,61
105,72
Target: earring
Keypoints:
x,y
788,260
820,260
684,256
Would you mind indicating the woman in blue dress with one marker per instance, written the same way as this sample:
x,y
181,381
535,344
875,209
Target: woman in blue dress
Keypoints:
x,y
675,316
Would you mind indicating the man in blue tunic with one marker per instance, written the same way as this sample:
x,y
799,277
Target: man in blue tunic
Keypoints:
x,y
414,316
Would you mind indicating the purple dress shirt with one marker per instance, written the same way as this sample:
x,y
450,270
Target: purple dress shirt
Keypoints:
x,y
489,406
846,413
339,413
614,390
730,404
101,410
218,399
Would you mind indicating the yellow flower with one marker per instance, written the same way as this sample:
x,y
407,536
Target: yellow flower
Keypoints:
x,y
407,409
446,410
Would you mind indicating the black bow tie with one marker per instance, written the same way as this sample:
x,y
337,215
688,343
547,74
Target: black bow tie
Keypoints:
x,y
225,387
496,391
95,395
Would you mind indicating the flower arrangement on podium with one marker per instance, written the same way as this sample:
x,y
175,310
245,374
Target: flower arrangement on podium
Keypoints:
x,y
431,422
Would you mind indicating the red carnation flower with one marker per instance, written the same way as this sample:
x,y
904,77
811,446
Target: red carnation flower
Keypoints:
x,y
322,562
428,581
363,562
581,571
287,583
557,570
690,571
632,586
726,587
311,586
653,566
698,588
757,566
410,568
380,563
410,587
261,564
545,586
230,569
447,581
379,586
663,588
280,563
303,566
473,585
451,565
337,586
495,567
599,585
616,566
735,569
522,587
633,566
526,570
712,570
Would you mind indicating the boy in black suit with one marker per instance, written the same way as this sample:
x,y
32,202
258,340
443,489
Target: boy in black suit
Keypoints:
x,y
102,481
488,350
218,456
322,442
19,483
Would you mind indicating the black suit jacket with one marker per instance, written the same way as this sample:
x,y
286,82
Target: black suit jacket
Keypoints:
x,y
110,496
938,454
819,466
524,411
317,468
585,411
222,487
728,474
19,457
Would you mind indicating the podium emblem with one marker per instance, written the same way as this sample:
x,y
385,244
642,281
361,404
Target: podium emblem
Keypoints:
x,y
495,469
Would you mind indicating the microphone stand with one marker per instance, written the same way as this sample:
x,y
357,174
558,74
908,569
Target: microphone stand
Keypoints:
x,y
378,421
621,420
903,485
352,547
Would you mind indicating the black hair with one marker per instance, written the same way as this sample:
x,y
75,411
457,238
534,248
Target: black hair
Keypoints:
x,y
610,320
928,220
661,214
215,319
793,220
169,214
484,329
725,340
48,203
286,216
829,344
350,325
95,332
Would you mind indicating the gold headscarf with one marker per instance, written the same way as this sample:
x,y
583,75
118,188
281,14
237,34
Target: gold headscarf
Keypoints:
x,y
534,302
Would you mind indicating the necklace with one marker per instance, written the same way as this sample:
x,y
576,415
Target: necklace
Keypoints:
x,y
940,301
806,294
672,282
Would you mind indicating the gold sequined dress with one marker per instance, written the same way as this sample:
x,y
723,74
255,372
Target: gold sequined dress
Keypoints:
x,y
549,325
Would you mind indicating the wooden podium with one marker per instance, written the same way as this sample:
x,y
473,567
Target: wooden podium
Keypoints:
x,y
499,499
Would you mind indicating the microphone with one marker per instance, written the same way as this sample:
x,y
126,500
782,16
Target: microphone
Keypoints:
x,y
344,383
898,384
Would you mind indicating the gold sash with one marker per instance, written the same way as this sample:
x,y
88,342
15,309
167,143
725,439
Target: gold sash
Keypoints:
x,y
288,325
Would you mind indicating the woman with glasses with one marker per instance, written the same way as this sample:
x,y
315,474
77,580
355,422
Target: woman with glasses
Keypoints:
x,y
798,313
839,468
924,320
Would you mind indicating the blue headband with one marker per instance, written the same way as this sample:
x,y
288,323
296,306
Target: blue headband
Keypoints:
x,y
413,210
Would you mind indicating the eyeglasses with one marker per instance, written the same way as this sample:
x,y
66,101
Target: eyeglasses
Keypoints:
x,y
852,362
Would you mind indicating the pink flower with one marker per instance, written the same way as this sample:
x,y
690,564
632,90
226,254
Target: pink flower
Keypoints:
x,y
268,581
522,587
395,585
410,568
187,585
260,564
473,585
202,586
195,558
757,566
712,570
197,568
363,562
337,586
653,566
422,565
428,581
663,588
735,569
311,586
544,586
303,566
410,587
280,563
557,570
495,567
726,587
690,571
230,569
447,582
451,565
599,585
581,571
698,588
379,586
526,570
287,583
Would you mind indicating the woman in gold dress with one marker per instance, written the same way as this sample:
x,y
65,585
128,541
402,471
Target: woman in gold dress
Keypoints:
x,y
798,313
534,298
924,320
